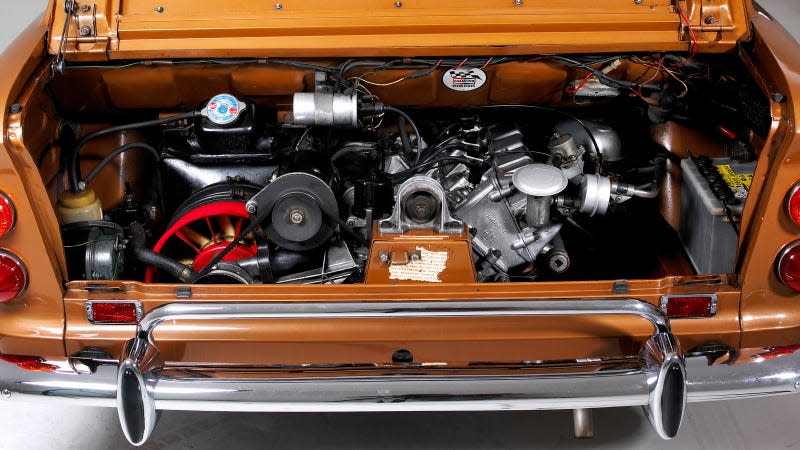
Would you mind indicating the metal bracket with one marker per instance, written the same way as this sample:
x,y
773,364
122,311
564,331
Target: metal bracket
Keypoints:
x,y
87,20
85,16
440,218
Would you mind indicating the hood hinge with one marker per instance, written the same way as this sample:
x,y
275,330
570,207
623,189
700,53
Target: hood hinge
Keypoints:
x,y
87,28
709,16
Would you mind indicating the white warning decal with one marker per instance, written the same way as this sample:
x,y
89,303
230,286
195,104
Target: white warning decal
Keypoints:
x,y
464,78
427,268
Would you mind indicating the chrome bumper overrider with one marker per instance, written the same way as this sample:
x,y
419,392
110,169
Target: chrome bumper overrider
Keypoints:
x,y
662,378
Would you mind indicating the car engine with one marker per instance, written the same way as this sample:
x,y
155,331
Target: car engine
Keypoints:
x,y
239,191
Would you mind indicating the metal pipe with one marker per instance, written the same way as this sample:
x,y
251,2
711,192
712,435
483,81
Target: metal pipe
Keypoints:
x,y
583,423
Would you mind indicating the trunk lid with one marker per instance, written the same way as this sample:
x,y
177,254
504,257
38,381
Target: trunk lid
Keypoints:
x,y
143,29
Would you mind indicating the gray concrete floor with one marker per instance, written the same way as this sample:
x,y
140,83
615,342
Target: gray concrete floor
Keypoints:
x,y
743,424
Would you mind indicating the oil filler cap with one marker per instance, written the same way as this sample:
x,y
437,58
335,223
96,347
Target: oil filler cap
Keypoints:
x,y
223,109
539,180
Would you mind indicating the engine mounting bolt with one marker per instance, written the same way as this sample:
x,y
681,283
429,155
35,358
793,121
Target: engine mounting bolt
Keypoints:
x,y
251,208
16,108
710,20
398,4
297,217
278,6
383,256
6,393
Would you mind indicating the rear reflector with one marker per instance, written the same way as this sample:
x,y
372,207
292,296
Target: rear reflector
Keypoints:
x,y
689,305
787,265
13,276
114,312
8,214
31,363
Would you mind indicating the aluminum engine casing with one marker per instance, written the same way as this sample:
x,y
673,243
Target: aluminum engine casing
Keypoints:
x,y
492,208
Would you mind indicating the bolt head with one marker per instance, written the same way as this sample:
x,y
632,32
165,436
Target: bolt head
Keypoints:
x,y
297,217
159,9
86,31
5,393
778,97
797,385
517,2
251,208
383,257
398,4
278,6
16,108
638,2
85,8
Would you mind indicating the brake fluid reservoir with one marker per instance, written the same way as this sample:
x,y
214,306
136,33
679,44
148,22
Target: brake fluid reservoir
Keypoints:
x,y
80,206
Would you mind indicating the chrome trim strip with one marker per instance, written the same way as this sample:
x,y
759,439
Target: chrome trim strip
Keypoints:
x,y
779,259
8,253
229,311
788,201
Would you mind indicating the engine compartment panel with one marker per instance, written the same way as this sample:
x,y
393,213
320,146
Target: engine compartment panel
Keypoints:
x,y
333,184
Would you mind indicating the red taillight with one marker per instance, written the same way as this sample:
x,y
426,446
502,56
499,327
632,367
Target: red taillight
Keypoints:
x,y
685,306
32,363
114,312
13,276
8,214
787,265
793,203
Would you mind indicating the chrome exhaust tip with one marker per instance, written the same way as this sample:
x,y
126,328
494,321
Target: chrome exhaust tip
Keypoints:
x,y
136,406
666,378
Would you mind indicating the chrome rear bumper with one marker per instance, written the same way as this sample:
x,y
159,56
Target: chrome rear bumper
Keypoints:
x,y
661,379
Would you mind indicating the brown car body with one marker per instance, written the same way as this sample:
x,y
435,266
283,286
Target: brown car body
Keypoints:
x,y
755,309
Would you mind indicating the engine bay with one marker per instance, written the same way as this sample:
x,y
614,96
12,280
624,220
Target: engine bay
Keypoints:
x,y
246,191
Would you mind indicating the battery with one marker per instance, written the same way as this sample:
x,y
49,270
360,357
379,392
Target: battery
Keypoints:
x,y
708,237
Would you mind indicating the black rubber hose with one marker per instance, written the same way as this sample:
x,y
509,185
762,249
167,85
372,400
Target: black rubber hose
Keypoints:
x,y
74,169
404,139
284,262
113,155
149,257
414,126
168,265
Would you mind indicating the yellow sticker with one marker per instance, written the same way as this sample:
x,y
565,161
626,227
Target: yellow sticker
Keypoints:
x,y
738,182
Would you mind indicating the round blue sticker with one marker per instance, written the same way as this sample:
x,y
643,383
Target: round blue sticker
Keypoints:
x,y
223,109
